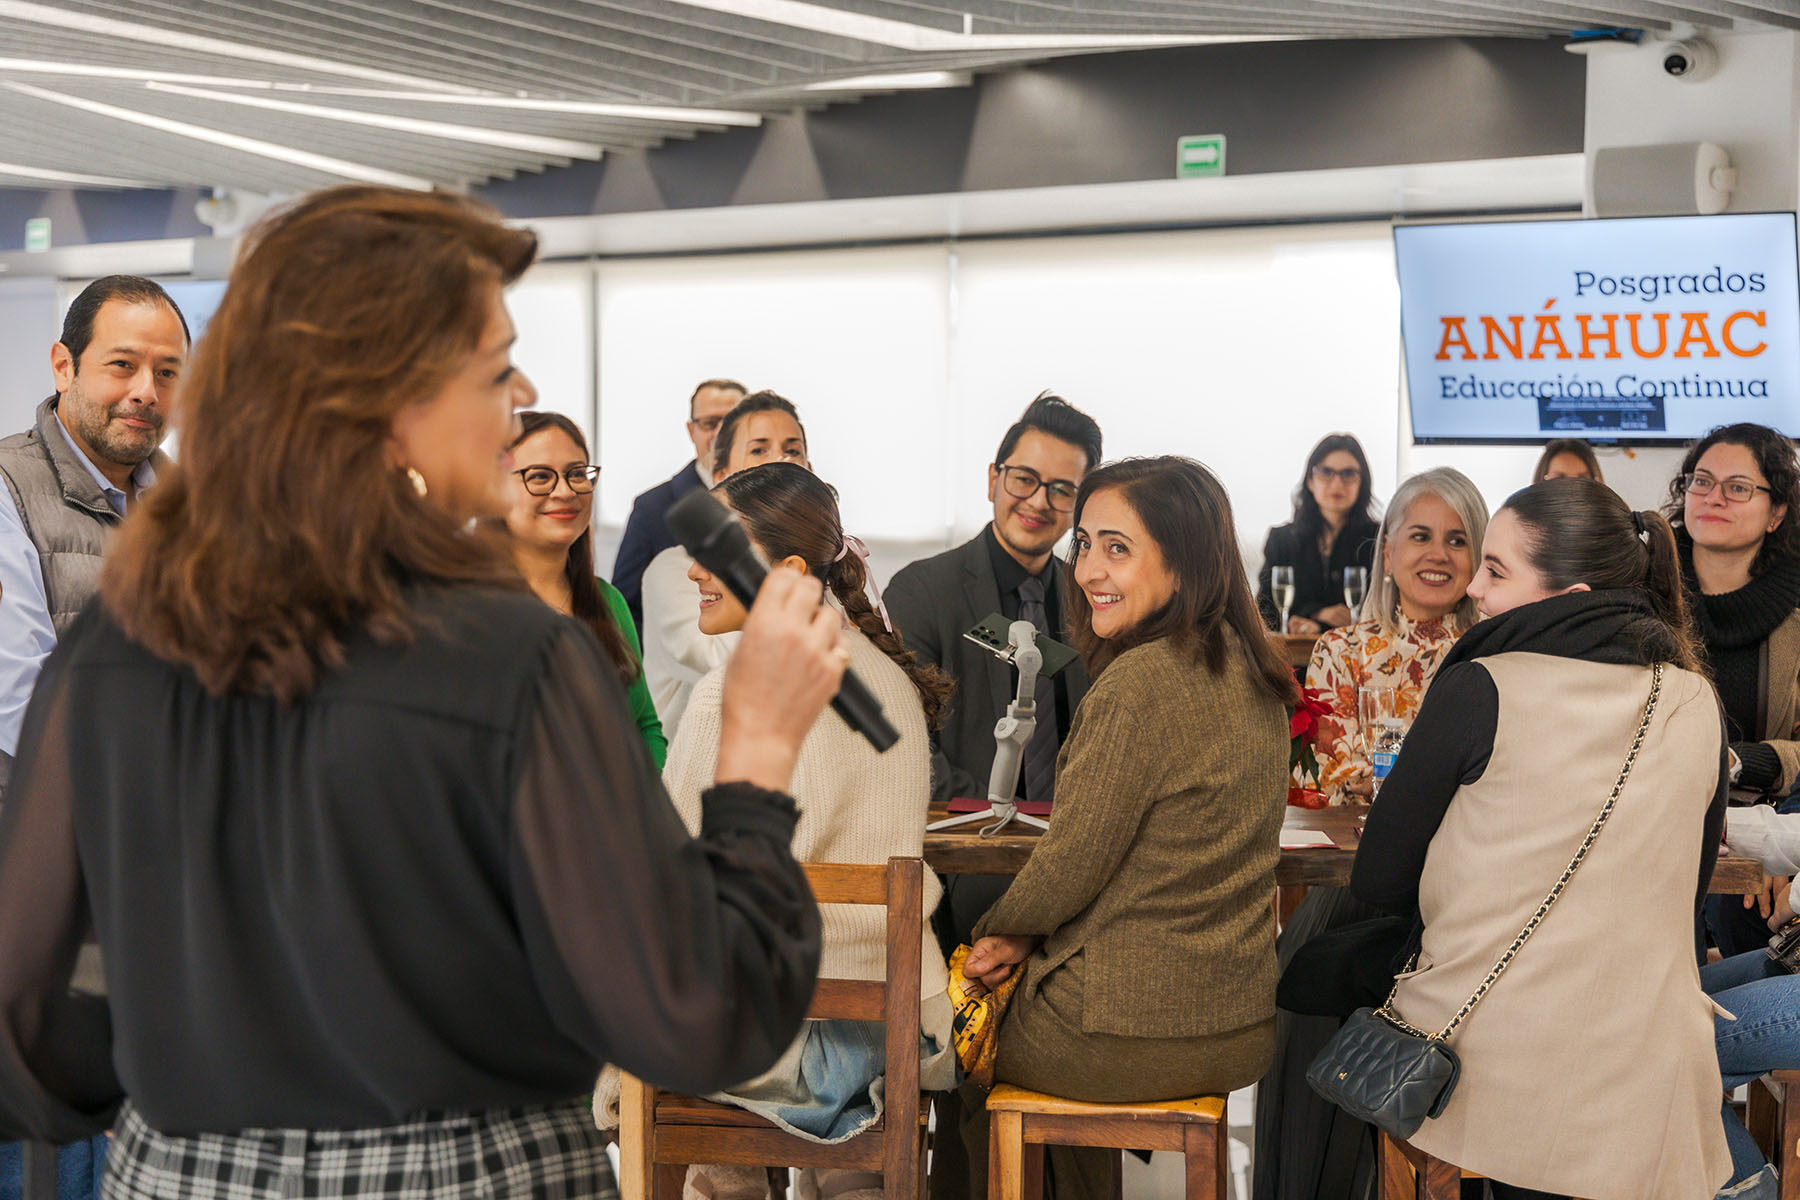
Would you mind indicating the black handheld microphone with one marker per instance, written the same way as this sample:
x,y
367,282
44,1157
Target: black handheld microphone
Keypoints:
x,y
713,538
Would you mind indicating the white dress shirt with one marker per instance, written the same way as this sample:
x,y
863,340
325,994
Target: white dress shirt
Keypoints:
x,y
26,633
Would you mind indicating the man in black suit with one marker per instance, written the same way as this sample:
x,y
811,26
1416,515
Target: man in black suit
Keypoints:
x,y
1006,568
646,532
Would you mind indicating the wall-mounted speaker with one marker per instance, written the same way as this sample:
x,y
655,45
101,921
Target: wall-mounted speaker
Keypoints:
x,y
1683,179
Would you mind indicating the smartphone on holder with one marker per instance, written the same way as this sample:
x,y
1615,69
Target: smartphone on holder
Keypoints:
x,y
995,635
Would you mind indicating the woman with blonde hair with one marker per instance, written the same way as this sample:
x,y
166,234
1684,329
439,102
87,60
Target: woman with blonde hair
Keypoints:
x,y
1418,605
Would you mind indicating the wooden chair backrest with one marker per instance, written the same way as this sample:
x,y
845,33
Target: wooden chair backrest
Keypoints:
x,y
900,886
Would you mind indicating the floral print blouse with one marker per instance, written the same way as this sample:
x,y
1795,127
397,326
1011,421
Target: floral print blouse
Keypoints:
x,y
1353,657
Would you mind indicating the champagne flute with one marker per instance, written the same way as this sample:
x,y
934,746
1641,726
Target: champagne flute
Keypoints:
x,y
1281,586
1356,586
1374,705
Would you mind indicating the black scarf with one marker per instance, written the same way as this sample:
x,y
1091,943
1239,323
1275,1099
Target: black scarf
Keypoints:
x,y
1744,617
1613,626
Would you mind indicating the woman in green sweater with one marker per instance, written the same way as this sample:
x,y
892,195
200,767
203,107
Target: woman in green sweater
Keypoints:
x,y
553,547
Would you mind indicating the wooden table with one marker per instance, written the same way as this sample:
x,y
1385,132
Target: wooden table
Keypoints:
x,y
963,851
1298,647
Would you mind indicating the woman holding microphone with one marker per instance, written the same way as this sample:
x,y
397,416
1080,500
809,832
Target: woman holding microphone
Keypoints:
x,y
378,863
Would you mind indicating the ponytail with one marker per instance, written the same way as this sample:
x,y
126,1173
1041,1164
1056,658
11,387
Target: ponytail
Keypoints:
x,y
788,510
1662,580
1579,531
848,580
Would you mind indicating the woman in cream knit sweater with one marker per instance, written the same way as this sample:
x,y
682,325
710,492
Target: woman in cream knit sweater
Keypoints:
x,y
856,806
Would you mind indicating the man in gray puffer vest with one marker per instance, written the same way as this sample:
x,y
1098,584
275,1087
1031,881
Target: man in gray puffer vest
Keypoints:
x,y
68,480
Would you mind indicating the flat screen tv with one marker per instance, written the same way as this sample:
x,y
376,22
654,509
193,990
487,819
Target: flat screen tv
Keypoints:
x,y
1641,331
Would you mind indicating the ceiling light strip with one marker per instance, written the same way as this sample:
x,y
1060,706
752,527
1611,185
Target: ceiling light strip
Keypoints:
x,y
58,18
579,108
902,35
231,141
529,143
21,171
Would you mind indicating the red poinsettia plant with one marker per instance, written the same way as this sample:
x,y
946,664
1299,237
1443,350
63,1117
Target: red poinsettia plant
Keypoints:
x,y
1303,737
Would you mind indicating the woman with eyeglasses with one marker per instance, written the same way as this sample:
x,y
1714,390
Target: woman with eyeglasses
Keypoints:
x,y
550,519
1333,528
1740,560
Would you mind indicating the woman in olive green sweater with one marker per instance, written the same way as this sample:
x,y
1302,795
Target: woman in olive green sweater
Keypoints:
x,y
1143,920
553,547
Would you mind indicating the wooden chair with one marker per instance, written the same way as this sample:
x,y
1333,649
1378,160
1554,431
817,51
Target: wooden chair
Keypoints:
x,y
1408,1173
1023,1123
1774,1121
661,1133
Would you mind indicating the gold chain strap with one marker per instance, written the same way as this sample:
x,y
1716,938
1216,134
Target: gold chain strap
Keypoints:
x,y
1387,1009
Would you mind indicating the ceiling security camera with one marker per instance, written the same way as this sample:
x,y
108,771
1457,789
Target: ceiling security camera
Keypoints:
x,y
1690,60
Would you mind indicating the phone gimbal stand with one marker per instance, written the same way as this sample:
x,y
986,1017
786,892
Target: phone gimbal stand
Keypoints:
x,y
1011,733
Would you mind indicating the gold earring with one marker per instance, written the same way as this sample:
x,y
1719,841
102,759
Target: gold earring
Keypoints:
x,y
417,480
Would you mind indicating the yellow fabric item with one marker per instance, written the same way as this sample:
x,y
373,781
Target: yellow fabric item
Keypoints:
x,y
976,1025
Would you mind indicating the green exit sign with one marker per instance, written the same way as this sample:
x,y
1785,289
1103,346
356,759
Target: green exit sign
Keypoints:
x,y
37,234
1200,156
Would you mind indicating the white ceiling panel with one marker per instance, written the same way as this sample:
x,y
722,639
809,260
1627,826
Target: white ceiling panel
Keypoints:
x,y
287,95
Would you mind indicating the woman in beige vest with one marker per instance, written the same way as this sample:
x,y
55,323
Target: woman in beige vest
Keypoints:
x,y
1588,1069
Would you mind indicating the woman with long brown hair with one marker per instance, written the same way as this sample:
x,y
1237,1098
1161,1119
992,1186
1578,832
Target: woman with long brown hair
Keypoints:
x,y
357,821
1575,717
1143,920
856,806
551,523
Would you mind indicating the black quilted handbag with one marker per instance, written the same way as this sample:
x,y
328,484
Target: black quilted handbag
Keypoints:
x,y
1383,1071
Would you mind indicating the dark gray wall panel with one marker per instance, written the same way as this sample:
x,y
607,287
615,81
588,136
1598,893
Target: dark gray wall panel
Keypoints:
x,y
785,168
914,143
1101,118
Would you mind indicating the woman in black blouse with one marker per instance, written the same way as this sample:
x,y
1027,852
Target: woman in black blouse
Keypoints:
x,y
1334,527
377,861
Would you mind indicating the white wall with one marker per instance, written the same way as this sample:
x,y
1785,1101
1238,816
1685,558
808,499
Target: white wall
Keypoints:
x,y
1239,347
30,323
1749,106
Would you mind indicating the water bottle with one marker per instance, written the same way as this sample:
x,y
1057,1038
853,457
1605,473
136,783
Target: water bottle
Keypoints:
x,y
1389,733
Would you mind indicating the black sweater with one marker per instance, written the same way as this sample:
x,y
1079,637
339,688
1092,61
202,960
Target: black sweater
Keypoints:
x,y
1733,628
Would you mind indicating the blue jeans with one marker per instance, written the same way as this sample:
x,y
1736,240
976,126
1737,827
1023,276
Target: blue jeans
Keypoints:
x,y
79,1168
1765,1036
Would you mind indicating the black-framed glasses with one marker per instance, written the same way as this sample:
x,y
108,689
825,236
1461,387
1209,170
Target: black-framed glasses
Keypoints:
x,y
1737,488
1022,483
1325,474
541,481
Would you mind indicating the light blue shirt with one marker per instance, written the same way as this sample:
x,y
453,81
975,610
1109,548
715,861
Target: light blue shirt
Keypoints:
x,y
26,634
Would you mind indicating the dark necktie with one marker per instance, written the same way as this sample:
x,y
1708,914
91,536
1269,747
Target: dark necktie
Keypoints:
x,y
1040,751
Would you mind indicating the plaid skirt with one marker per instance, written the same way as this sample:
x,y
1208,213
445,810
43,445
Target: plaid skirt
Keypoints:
x,y
548,1153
